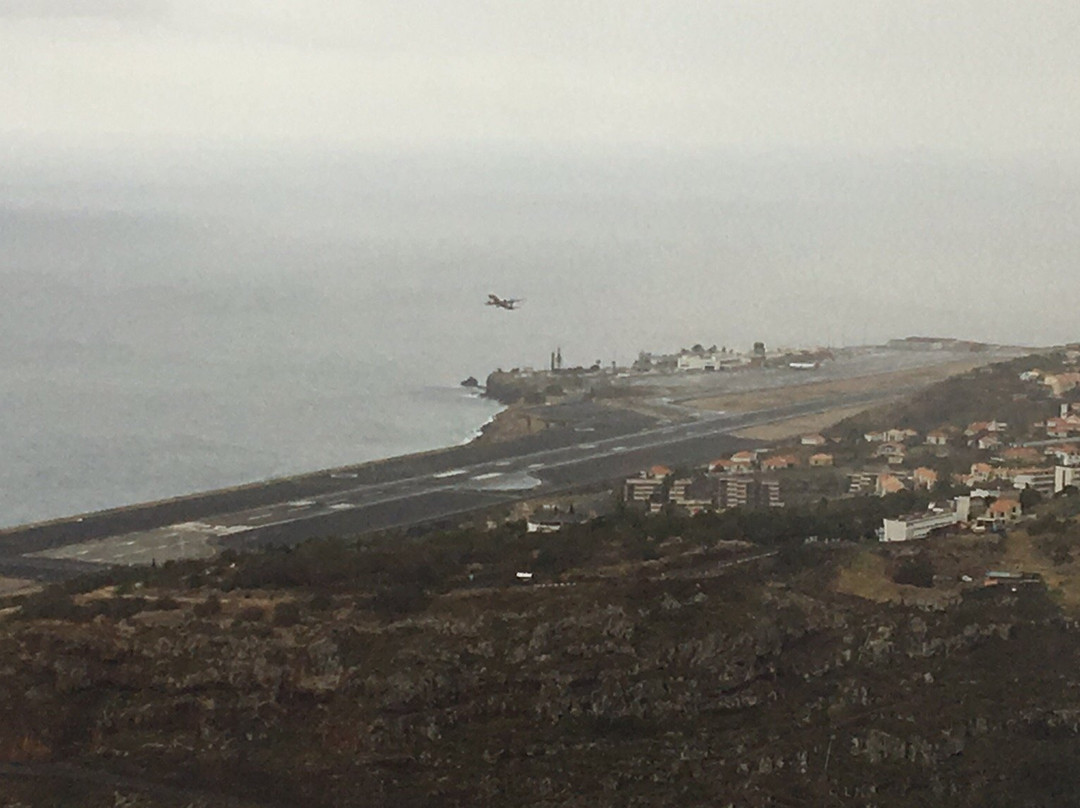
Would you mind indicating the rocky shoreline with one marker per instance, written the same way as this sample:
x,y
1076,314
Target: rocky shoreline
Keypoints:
x,y
514,422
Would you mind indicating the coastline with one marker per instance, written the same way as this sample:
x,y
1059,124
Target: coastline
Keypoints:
x,y
512,422
515,421
23,547
448,445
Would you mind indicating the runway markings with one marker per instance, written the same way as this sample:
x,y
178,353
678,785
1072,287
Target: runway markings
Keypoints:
x,y
194,539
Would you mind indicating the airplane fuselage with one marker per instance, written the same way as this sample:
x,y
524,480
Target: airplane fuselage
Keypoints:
x,y
503,303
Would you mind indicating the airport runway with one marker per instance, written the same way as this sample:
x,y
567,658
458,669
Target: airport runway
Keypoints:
x,y
589,444
402,492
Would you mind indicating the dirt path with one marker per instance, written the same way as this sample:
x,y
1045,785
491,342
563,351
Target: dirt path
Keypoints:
x,y
17,586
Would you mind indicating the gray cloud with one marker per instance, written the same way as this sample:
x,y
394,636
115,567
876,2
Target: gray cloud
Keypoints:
x,y
972,77
81,9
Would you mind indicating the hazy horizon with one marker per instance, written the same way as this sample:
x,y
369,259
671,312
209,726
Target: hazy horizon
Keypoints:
x,y
714,248
223,223
786,166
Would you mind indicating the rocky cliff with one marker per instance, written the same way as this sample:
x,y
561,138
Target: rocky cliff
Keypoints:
x,y
751,685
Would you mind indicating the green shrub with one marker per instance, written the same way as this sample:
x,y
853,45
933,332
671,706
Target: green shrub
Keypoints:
x,y
321,602
399,600
251,614
286,613
916,571
119,608
52,603
209,607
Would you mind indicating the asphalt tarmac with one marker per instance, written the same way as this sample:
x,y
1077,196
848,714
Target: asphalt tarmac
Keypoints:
x,y
602,446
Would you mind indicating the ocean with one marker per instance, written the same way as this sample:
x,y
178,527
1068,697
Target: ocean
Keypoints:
x,y
174,322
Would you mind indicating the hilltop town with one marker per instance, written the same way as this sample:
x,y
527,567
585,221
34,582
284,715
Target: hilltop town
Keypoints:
x,y
984,473
988,456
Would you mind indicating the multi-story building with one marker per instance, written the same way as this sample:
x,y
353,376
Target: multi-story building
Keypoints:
x,y
769,493
711,361
1065,476
862,482
646,485
734,491
921,525
1041,480
695,494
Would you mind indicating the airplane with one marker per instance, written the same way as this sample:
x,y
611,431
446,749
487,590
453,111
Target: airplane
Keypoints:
x,y
508,303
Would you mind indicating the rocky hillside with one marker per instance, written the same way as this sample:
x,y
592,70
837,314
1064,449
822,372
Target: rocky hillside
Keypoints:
x,y
990,392
684,673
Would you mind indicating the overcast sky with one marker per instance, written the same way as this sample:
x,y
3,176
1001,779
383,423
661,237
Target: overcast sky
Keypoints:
x,y
224,221
976,77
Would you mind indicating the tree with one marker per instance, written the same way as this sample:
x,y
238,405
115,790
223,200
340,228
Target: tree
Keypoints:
x,y
209,607
916,571
286,613
945,488
1029,498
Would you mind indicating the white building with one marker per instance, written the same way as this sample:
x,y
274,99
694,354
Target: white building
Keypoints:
x,y
1065,476
550,520
710,361
642,488
1045,482
919,526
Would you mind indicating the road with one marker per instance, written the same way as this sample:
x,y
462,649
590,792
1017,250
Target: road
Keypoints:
x,y
425,490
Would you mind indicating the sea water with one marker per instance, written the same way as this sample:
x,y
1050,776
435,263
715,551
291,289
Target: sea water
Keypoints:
x,y
137,391
171,323
144,358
